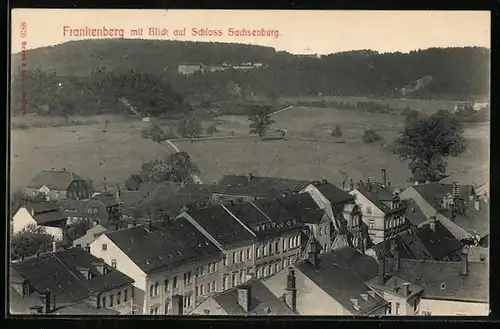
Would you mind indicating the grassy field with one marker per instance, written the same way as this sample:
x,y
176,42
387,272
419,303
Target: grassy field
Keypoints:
x,y
309,152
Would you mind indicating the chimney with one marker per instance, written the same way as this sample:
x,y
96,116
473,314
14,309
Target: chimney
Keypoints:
x,y
406,289
244,297
117,226
477,205
351,185
48,301
381,271
177,306
324,181
397,259
290,290
432,224
384,177
54,246
464,269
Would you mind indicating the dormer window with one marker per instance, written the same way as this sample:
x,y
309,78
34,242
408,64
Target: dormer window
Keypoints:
x,y
443,286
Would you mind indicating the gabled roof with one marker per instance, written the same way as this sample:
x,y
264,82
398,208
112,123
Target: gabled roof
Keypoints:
x,y
58,271
262,301
377,194
413,212
337,278
168,244
394,285
434,192
473,221
280,220
107,199
45,212
440,242
72,208
256,186
248,214
219,223
302,207
442,280
90,235
54,180
334,194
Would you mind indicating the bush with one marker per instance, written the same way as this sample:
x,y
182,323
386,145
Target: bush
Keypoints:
x,y
370,136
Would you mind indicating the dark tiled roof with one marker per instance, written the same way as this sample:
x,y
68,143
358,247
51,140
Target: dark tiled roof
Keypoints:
x,y
169,243
55,180
413,212
377,194
107,199
42,206
262,301
258,186
157,204
130,200
362,265
473,221
442,280
280,219
394,285
59,272
45,212
248,214
219,223
72,208
342,283
407,245
436,191
334,194
303,207
439,243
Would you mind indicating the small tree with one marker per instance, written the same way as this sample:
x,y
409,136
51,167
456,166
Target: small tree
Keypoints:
x,y
29,241
189,126
260,119
78,229
370,136
336,132
426,144
212,129
411,117
180,166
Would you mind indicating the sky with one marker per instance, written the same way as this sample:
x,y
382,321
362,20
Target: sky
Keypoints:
x,y
299,32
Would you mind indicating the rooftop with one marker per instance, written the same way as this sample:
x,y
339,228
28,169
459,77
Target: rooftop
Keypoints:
x,y
433,192
168,243
442,280
45,212
378,194
262,301
395,285
302,207
339,278
107,199
334,194
440,242
256,186
59,272
54,179
413,213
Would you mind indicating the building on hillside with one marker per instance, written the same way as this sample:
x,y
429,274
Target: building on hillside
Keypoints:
x,y
419,178
278,235
73,210
58,184
190,69
91,234
449,288
250,187
104,208
167,259
46,214
251,298
383,211
330,284
456,206
69,282
236,241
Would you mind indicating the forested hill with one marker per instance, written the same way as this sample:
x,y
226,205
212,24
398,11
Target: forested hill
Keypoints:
x,y
453,73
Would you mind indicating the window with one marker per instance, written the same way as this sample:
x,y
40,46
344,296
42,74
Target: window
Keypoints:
x,y
224,260
283,265
241,277
214,285
104,247
104,301
264,271
95,211
234,257
224,282
187,278
270,269
276,268
284,244
201,270
276,246
202,290
389,308
111,300
187,301
398,306
249,254
257,252
154,310
234,282
209,287
118,297
264,250
197,291
156,288
271,251
166,286
174,282
290,242
258,272
368,210
34,193
321,231
151,290
89,210
167,306
371,223
125,295
113,263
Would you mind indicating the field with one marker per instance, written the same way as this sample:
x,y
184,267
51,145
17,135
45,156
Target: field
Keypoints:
x,y
309,152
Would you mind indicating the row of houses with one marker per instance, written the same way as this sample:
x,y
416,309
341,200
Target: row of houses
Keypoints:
x,y
283,242
190,69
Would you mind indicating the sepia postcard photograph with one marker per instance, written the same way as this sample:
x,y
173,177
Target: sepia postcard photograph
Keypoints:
x,y
249,163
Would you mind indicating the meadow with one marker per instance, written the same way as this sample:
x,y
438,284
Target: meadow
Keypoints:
x,y
116,149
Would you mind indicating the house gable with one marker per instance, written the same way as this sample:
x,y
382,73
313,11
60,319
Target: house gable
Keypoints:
x,y
363,202
209,307
22,219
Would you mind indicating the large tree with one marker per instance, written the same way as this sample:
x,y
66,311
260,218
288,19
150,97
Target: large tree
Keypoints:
x,y
189,126
181,166
425,144
29,241
260,119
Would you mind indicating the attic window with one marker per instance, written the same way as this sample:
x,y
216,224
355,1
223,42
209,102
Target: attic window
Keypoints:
x,y
443,286
148,262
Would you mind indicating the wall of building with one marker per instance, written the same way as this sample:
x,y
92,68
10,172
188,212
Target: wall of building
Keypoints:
x,y
78,190
124,264
118,296
209,307
239,268
271,263
447,307
400,305
373,217
23,218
